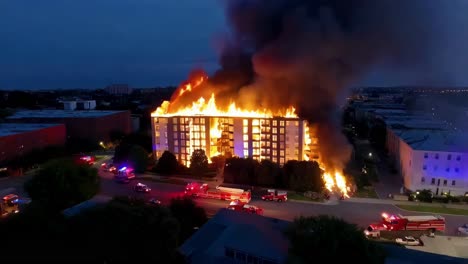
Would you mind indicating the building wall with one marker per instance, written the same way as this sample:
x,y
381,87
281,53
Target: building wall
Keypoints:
x,y
19,144
276,139
441,172
92,128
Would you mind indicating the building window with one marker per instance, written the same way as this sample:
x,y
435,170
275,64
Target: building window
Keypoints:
x,y
424,167
435,167
447,169
453,183
433,181
437,156
445,182
458,158
423,180
449,157
457,170
426,155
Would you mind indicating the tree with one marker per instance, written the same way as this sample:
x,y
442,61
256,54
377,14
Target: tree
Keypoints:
x,y
198,162
189,215
167,164
267,173
304,175
138,158
63,183
330,238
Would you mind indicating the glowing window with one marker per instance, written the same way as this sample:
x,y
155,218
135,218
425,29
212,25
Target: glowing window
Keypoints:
x,y
246,130
275,153
255,130
175,135
281,123
202,120
246,153
256,144
297,123
255,122
275,138
246,137
175,120
275,145
246,145
275,130
246,122
282,153
282,130
275,123
287,123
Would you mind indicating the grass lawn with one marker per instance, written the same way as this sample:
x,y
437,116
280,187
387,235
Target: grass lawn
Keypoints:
x,y
433,209
300,197
366,193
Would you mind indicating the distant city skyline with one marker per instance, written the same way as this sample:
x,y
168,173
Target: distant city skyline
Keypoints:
x,y
88,44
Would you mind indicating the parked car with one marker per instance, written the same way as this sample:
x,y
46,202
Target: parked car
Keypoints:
x,y
140,187
408,241
154,201
463,230
275,195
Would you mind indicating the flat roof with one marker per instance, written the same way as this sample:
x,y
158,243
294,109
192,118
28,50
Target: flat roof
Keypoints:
x,y
7,129
434,140
61,114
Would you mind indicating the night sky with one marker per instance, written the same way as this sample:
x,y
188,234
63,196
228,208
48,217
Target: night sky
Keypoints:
x,y
50,44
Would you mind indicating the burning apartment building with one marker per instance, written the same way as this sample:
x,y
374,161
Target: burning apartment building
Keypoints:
x,y
275,138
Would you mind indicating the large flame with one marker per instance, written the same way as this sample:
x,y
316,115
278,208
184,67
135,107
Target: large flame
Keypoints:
x,y
333,179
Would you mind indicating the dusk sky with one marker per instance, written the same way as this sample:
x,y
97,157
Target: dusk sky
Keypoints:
x,y
51,44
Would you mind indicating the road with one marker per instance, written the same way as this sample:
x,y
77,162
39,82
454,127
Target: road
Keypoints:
x,y
360,214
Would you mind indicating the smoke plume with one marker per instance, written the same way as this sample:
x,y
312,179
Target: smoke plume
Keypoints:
x,y
307,53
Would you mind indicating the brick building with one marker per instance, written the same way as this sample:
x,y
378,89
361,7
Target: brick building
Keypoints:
x,y
19,139
91,125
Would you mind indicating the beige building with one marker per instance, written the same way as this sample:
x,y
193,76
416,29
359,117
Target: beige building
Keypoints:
x,y
278,139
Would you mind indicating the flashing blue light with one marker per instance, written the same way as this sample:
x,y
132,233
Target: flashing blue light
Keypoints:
x,y
123,168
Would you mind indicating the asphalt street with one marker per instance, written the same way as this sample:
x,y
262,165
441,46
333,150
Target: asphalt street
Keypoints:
x,y
361,214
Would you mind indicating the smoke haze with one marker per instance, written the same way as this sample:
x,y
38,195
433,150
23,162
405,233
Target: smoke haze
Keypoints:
x,y
307,53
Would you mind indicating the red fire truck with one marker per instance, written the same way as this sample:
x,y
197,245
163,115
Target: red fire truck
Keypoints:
x,y
9,204
222,193
275,195
430,223
243,207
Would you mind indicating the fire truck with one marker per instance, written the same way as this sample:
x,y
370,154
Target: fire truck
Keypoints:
x,y
243,207
275,195
427,223
222,193
9,204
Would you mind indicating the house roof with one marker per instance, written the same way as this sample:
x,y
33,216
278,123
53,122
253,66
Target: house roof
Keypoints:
x,y
8,129
61,114
253,234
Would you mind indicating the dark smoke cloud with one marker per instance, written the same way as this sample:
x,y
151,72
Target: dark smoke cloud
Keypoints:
x,y
304,53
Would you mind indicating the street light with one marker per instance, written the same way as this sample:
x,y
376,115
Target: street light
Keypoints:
x,y
370,154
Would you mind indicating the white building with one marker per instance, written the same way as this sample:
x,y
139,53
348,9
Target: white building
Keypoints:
x,y
79,105
431,159
278,139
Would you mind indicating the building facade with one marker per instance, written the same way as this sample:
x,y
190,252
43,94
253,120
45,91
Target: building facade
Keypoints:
x,y
19,139
91,125
428,159
277,139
